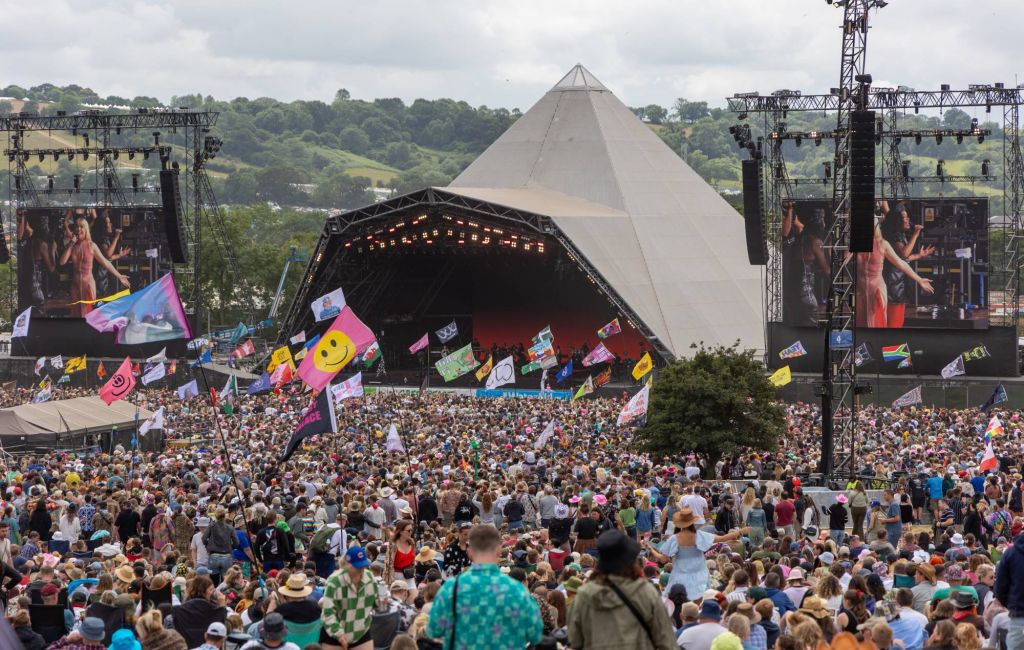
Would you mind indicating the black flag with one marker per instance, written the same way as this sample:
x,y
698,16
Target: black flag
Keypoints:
x,y
317,420
998,397
448,332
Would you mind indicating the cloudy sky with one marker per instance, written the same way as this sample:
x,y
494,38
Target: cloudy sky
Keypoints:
x,y
493,52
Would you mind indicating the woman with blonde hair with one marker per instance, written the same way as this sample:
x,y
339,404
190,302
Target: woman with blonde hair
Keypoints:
x,y
747,502
966,637
153,636
82,253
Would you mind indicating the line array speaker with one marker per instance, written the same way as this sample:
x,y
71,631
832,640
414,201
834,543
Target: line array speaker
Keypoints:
x,y
757,244
862,181
174,224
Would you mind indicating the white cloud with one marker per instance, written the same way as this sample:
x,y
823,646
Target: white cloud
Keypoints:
x,y
495,53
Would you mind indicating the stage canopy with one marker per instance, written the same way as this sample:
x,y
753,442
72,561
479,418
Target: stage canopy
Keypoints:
x,y
579,171
75,415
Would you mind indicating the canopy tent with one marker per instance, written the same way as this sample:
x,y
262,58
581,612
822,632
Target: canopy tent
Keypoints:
x,y
66,422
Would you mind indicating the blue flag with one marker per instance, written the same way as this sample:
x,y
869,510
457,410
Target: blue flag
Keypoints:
x,y
239,333
205,357
564,373
998,397
311,342
261,385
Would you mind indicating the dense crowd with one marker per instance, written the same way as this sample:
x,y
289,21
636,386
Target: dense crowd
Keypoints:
x,y
473,535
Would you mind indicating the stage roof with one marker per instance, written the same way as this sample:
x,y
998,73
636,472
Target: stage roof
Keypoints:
x,y
79,413
665,240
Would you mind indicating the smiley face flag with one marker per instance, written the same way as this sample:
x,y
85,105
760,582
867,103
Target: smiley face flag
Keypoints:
x,y
120,383
344,339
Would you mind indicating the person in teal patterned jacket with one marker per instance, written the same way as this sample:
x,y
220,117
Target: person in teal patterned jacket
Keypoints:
x,y
491,611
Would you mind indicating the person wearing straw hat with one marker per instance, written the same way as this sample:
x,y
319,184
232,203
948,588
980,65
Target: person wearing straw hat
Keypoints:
x,y
685,549
293,601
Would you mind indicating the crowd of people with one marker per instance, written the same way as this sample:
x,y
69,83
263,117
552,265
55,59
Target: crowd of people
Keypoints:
x,y
471,535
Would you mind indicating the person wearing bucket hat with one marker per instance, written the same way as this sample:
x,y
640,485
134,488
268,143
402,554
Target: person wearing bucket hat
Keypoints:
x,y
617,605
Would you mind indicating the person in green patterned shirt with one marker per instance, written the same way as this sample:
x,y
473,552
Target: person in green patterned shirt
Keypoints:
x,y
351,595
491,611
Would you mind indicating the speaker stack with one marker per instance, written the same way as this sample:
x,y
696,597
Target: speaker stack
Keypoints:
x,y
862,181
173,222
757,244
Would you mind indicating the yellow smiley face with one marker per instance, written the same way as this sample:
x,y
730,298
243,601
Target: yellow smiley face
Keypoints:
x,y
333,352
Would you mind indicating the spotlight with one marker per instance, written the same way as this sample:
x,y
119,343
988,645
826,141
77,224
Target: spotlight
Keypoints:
x,y
828,168
986,167
135,182
85,137
41,156
905,168
940,167
917,139
71,155
10,157
115,154
981,138
77,181
49,184
798,140
156,138
917,107
743,116
959,138
131,155
56,156
85,154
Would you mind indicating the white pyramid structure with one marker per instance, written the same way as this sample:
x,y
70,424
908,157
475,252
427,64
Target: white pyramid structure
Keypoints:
x,y
664,240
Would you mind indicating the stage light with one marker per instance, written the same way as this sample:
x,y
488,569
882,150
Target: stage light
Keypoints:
x,y
77,181
131,155
71,155
828,168
41,156
135,182
743,116
85,137
56,156
85,154
940,168
798,140
981,138
115,154
905,168
156,138
959,138
145,154
49,184
986,167
917,107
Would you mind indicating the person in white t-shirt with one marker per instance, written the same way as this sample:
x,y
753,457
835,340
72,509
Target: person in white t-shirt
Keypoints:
x,y
198,550
697,503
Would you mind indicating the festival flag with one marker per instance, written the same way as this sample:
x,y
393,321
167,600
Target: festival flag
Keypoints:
x,y
346,338
529,367
906,363
311,342
636,407
994,428
230,388
998,397
74,364
545,435
372,355
611,329
152,314
157,372
319,419
238,334
448,332
793,351
862,355
604,377
281,355
585,389
988,460
261,385
503,373
976,353
44,394
540,351
457,363
244,350
159,357
188,391
174,367
64,379
419,345
394,441
544,335
206,356
909,398
954,368
298,338
135,369
155,421
895,352
21,324
840,339
120,383
781,377
351,387
328,305
485,369
40,362
301,354
44,382
643,366
281,375
57,362
120,294
600,354
564,373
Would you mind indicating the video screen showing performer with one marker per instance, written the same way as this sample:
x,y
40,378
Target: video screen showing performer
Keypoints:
x,y
928,267
70,255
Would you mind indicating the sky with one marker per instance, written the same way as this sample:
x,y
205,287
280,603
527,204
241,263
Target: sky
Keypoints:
x,y
496,53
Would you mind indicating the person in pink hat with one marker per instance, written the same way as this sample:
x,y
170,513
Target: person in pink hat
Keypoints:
x,y
837,518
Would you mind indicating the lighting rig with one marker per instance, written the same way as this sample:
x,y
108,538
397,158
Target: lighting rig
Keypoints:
x,y
839,388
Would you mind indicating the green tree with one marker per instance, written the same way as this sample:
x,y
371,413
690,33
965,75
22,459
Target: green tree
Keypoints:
x,y
715,403
689,112
354,139
655,114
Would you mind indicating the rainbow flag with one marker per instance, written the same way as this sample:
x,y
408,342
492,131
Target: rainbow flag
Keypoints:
x,y
152,314
895,352
994,428
611,329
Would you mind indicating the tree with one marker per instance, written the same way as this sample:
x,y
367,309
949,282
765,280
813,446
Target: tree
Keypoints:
x,y
715,403
655,114
689,112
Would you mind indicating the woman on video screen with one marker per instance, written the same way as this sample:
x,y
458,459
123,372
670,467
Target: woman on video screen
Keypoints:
x,y
895,229
872,296
82,252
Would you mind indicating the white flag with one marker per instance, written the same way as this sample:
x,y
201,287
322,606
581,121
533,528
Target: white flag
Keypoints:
x,y
394,442
963,253
909,398
40,362
21,323
156,421
298,338
152,253
954,368
351,387
636,407
159,371
159,357
188,391
545,435
57,361
501,374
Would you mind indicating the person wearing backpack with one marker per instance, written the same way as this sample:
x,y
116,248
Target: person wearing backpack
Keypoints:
x,y
220,540
327,544
272,547
514,513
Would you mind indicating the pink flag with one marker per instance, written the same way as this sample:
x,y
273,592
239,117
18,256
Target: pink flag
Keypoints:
x,y
120,383
988,461
419,345
599,354
344,339
281,375
244,350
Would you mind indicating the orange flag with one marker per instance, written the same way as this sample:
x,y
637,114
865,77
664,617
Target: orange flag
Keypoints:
x,y
101,372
